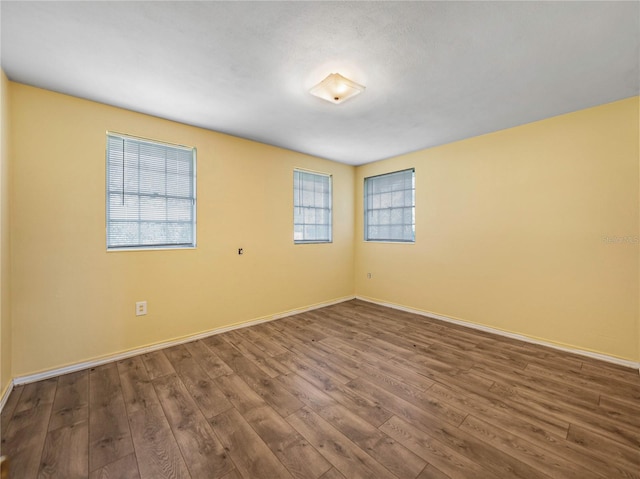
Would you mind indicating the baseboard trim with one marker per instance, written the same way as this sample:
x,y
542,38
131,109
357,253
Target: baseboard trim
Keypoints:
x,y
5,395
31,378
507,334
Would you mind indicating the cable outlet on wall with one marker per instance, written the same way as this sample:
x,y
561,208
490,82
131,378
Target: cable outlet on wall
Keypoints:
x,y
369,276
141,308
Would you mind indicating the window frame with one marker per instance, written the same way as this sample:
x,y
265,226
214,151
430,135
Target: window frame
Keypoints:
x,y
330,208
152,247
365,208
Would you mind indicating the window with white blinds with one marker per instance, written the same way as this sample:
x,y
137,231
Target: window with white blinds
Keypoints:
x,y
151,194
311,207
389,207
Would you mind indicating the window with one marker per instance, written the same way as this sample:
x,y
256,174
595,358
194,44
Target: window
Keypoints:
x,y
389,207
151,194
311,207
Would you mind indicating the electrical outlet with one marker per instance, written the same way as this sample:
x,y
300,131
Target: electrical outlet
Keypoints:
x,y
369,275
141,308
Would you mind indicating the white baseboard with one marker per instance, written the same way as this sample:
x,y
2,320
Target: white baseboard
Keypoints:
x,y
20,380
507,334
174,342
5,395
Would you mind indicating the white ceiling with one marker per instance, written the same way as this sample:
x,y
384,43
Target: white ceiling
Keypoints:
x,y
434,72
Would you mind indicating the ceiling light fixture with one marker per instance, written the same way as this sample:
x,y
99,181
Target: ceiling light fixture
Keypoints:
x,y
336,88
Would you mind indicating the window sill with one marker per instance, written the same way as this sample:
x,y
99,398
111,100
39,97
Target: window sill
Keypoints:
x,y
389,242
151,248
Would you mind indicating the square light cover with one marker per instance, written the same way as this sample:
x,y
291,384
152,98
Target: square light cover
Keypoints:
x,y
336,88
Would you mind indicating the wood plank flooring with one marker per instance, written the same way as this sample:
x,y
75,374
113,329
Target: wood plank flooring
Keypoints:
x,y
349,391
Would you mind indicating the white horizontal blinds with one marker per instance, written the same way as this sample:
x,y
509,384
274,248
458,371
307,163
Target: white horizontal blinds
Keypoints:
x,y
150,194
390,207
311,207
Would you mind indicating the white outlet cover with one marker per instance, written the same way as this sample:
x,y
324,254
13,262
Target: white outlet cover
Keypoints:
x,y
141,308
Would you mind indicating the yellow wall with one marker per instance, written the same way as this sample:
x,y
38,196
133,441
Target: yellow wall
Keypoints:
x,y
73,301
5,259
523,230
517,230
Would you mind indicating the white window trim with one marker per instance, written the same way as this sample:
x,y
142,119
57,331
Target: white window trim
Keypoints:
x,y
365,210
328,175
163,247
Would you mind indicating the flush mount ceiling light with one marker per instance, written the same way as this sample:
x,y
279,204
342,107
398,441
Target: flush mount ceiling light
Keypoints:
x,y
336,88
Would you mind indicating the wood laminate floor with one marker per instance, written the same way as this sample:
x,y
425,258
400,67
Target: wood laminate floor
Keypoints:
x,y
349,391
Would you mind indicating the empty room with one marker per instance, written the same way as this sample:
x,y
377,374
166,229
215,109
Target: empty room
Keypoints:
x,y
319,240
